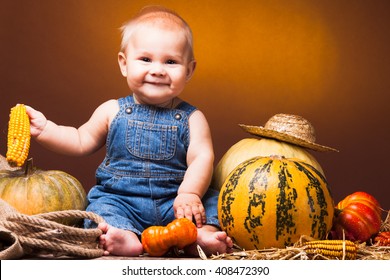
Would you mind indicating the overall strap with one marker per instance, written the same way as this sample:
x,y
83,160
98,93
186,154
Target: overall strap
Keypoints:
x,y
124,101
186,107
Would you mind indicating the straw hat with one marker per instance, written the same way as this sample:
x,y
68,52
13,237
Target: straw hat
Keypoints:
x,y
289,128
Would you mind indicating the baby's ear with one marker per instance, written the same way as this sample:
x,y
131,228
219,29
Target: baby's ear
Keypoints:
x,y
122,63
191,69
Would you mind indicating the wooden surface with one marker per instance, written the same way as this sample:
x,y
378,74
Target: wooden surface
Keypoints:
x,y
51,257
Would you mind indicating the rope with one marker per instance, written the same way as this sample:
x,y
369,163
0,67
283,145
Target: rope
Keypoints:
x,y
41,233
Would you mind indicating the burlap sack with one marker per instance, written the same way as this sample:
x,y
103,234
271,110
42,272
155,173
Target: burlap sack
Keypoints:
x,y
10,247
9,243
39,234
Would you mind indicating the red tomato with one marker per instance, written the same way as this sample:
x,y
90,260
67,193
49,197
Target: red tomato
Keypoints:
x,y
359,216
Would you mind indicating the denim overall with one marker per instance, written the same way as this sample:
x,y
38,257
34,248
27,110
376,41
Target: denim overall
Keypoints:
x,y
144,166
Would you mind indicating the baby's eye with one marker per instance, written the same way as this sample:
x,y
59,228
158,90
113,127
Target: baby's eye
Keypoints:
x,y
171,61
145,59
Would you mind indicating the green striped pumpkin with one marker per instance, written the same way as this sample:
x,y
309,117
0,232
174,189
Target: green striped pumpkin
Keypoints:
x,y
271,201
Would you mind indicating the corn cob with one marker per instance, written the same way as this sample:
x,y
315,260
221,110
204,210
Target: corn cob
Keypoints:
x,y
18,136
383,238
332,249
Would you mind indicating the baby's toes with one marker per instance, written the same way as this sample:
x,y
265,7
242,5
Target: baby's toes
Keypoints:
x,y
221,236
103,227
102,240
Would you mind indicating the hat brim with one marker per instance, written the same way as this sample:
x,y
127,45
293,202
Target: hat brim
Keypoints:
x,y
268,133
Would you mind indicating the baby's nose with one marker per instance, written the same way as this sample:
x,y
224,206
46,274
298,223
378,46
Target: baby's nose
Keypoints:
x,y
157,69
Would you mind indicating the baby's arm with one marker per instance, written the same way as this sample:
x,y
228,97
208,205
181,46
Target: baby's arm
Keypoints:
x,y
200,158
84,140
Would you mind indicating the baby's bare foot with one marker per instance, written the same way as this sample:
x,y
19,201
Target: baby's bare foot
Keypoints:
x,y
119,242
211,241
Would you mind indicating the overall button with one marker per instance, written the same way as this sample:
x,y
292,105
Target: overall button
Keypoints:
x,y
177,116
107,162
129,110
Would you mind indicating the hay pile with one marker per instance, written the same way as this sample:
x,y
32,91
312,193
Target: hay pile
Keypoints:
x,y
365,251
298,252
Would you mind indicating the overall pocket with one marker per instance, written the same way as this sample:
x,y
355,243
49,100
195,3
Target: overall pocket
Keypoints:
x,y
151,141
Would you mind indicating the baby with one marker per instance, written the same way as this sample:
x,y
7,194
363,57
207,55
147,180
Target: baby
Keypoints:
x,y
159,153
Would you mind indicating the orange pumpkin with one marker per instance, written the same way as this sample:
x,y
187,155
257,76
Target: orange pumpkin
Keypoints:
x,y
357,217
157,240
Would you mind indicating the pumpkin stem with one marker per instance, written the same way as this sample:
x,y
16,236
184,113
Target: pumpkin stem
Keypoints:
x,y
337,212
28,167
277,157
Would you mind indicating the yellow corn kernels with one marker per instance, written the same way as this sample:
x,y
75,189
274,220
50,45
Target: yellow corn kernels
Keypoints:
x,y
332,249
18,136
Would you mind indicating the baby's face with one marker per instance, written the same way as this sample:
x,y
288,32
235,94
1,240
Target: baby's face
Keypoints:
x,y
156,64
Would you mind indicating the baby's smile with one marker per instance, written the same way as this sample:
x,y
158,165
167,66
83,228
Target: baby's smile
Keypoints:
x,y
157,83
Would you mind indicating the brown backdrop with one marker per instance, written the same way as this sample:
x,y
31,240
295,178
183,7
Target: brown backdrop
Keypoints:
x,y
325,60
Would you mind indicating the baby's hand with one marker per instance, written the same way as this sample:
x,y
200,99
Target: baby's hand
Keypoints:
x,y
188,205
37,121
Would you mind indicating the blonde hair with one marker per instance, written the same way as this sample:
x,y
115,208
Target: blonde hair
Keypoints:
x,y
156,16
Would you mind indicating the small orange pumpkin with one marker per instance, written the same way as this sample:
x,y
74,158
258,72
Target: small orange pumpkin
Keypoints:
x,y
157,240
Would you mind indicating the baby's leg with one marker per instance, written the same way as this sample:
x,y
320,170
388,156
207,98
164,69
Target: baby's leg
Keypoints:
x,y
212,241
119,242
